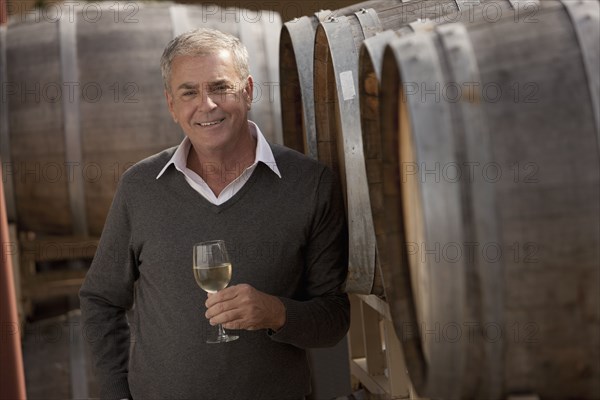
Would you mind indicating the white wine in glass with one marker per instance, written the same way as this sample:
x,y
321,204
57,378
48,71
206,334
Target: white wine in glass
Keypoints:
x,y
212,270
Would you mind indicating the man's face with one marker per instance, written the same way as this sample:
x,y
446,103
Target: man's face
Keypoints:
x,y
209,101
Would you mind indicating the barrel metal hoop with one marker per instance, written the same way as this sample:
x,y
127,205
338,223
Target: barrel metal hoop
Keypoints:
x,y
462,5
375,47
302,34
343,55
477,140
585,16
322,15
369,22
180,19
9,189
433,141
72,122
360,225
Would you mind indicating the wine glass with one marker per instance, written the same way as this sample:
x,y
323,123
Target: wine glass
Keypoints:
x,y
212,270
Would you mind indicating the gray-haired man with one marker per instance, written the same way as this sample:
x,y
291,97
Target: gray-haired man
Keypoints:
x,y
280,213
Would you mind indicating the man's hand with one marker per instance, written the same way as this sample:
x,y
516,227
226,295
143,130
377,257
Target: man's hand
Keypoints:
x,y
243,307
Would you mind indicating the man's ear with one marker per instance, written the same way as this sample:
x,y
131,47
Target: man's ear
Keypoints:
x,y
249,89
169,98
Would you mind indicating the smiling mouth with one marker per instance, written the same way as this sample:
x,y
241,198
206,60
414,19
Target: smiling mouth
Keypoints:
x,y
211,123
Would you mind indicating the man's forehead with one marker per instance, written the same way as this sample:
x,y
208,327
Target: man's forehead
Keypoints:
x,y
221,59
199,70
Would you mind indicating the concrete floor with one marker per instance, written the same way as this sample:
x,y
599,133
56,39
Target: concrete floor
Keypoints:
x,y
57,365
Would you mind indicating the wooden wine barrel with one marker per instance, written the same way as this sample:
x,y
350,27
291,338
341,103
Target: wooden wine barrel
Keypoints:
x,y
491,175
296,50
337,116
84,101
369,76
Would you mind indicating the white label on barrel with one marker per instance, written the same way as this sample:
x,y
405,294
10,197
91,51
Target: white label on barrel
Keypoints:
x,y
347,83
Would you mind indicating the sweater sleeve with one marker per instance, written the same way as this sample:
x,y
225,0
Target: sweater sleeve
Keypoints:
x,y
323,318
106,295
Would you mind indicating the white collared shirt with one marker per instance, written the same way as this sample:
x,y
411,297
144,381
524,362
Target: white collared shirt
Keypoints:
x,y
264,154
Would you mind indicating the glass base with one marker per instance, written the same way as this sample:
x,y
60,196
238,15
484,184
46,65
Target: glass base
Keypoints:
x,y
223,339
222,336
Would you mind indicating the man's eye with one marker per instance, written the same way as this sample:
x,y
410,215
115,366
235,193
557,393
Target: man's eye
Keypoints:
x,y
188,93
220,89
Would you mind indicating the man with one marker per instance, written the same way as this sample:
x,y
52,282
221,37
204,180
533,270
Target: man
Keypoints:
x,y
281,216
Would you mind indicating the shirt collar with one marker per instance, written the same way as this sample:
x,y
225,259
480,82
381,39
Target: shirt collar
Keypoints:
x,y
263,152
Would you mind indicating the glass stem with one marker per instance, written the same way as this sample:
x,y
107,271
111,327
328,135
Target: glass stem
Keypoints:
x,y
221,331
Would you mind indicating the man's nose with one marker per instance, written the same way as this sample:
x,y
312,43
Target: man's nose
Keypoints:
x,y
206,102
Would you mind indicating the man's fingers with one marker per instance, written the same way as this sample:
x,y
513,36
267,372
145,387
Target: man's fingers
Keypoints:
x,y
226,294
226,317
243,307
219,308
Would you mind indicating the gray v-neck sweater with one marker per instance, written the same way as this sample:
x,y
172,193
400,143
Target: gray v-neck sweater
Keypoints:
x,y
286,236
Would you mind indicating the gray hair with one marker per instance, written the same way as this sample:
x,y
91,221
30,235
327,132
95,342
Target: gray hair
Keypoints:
x,y
201,42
